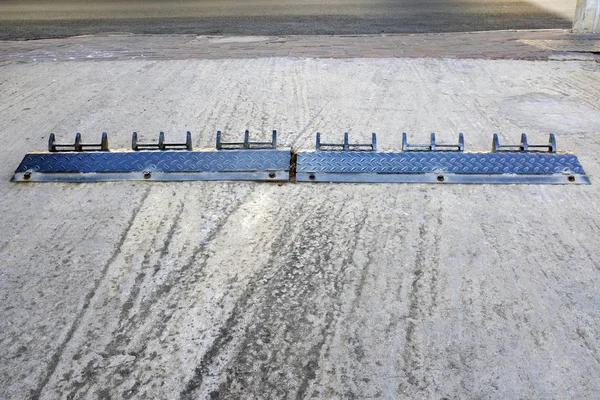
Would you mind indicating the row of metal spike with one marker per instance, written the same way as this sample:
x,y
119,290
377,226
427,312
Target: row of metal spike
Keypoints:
x,y
161,145
78,146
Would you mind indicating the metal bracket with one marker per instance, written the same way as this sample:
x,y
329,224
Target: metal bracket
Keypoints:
x,y
346,146
161,145
54,147
524,146
433,146
246,144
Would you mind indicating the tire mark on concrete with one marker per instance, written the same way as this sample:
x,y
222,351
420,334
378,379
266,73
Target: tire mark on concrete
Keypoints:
x,y
435,262
411,350
128,304
54,360
263,333
224,337
361,282
284,315
305,127
121,337
111,349
424,264
258,283
589,343
327,332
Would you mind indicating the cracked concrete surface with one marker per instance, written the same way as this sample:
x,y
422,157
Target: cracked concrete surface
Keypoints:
x,y
250,290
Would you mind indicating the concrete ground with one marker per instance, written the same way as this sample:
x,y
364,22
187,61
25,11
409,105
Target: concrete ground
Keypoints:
x,y
255,290
31,19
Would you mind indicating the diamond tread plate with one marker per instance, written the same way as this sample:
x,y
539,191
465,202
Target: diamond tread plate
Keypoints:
x,y
163,161
437,162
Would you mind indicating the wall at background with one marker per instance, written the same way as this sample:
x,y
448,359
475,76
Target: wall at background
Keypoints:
x,y
564,8
587,16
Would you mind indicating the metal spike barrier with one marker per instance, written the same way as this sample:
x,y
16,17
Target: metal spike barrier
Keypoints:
x,y
442,163
172,162
330,162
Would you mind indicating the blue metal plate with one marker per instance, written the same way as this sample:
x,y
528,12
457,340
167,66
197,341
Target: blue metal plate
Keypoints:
x,y
430,166
155,165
